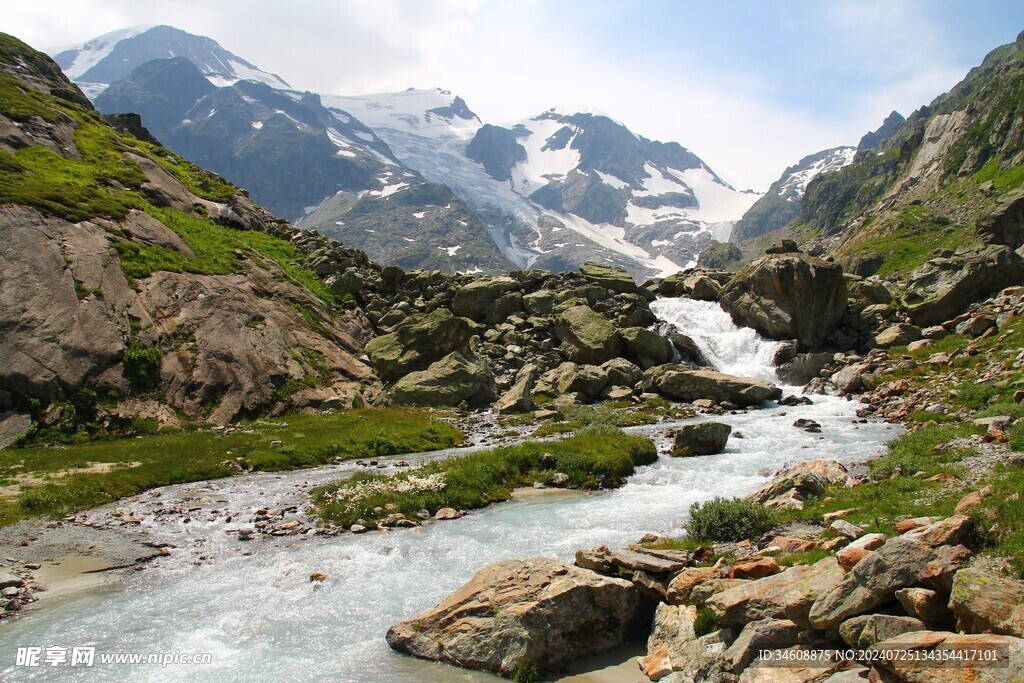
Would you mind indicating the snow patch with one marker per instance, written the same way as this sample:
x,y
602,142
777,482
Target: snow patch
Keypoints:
x,y
611,180
451,250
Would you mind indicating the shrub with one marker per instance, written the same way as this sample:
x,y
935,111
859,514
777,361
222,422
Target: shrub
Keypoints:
x,y
706,622
141,364
724,519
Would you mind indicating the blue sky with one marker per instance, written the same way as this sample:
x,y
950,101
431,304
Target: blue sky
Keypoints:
x,y
751,87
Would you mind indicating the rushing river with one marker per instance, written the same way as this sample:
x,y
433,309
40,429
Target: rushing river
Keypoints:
x,y
261,619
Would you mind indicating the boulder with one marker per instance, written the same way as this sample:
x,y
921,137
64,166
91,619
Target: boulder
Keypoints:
x,y
684,345
622,373
589,380
673,646
754,568
418,342
676,381
683,583
787,296
926,605
864,631
986,658
448,382
703,438
759,635
874,580
841,527
804,367
539,302
985,602
899,334
647,346
946,285
703,592
788,595
519,399
609,277
587,336
791,485
488,299
536,613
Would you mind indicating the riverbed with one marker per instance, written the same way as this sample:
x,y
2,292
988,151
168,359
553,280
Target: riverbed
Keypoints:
x,y
251,605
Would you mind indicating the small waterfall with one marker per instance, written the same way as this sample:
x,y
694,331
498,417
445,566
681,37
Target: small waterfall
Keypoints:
x,y
729,348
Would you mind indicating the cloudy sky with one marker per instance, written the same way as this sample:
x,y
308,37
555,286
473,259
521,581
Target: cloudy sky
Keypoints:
x,y
749,85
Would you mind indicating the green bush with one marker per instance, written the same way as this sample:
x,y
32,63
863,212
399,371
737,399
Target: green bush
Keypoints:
x,y
142,364
706,622
725,519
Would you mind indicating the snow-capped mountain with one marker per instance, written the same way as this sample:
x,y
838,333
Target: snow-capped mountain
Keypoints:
x,y
550,191
560,187
320,167
112,56
782,201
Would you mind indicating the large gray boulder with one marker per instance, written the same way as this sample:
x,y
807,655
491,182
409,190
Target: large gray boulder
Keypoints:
x,y
787,296
704,438
514,615
488,299
647,346
610,277
947,284
680,382
418,342
448,382
587,336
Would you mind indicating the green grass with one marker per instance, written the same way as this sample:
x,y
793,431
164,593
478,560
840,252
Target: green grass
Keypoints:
x,y
307,440
104,183
906,238
485,477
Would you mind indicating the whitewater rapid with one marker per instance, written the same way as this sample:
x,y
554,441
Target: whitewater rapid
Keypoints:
x,y
260,617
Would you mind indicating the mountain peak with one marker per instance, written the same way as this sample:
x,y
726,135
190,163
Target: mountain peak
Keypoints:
x,y
113,56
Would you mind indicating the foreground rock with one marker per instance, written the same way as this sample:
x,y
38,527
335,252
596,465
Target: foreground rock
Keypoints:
x,y
788,296
900,563
676,381
518,614
901,665
986,603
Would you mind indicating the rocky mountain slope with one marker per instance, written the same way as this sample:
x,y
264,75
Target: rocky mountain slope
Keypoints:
x,y
948,178
147,287
552,191
782,202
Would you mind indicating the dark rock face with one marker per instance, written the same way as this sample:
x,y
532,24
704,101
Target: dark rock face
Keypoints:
x,y
947,284
161,91
788,296
1005,225
497,149
874,139
782,202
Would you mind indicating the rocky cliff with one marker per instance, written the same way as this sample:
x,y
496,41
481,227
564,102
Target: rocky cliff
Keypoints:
x,y
136,284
